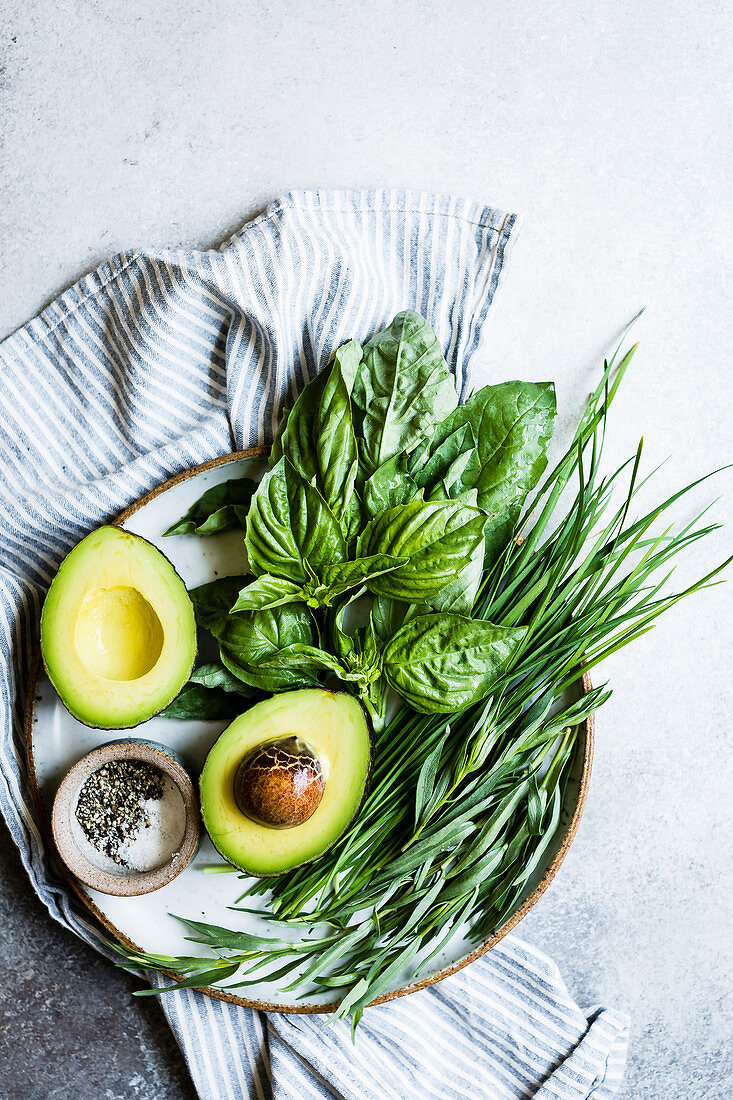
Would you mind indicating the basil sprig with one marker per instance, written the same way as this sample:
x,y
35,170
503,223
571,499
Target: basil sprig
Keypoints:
x,y
380,486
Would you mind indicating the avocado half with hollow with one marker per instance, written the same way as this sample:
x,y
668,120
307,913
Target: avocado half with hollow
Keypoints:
x,y
285,779
118,633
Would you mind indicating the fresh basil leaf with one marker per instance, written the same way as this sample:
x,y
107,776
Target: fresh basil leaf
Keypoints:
x,y
253,639
460,595
266,592
334,444
291,532
357,649
512,425
259,635
335,441
297,439
420,455
387,616
276,450
194,701
458,479
438,537
348,360
213,675
269,538
219,508
269,678
403,387
301,656
318,536
212,601
343,643
318,437
360,655
389,486
212,693
344,576
374,698
349,357
447,462
441,663
371,655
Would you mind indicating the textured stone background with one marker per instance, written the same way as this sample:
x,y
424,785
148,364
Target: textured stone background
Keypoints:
x,y
69,1026
607,125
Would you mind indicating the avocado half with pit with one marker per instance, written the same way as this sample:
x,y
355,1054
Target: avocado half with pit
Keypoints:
x,y
285,779
118,633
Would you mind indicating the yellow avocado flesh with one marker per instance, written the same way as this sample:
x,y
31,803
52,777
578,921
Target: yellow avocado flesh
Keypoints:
x,y
118,633
335,727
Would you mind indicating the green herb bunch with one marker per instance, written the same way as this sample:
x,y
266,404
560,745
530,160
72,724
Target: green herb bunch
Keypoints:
x,y
380,486
464,807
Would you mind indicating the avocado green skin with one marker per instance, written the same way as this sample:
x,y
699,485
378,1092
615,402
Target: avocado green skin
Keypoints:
x,y
59,691
357,809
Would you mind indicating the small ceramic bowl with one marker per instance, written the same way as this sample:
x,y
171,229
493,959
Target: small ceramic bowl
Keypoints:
x,y
65,833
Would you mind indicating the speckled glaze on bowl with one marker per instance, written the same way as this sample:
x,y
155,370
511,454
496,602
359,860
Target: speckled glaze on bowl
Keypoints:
x,y
133,883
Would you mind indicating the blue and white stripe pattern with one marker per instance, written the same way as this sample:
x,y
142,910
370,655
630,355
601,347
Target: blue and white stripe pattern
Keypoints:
x,y
156,362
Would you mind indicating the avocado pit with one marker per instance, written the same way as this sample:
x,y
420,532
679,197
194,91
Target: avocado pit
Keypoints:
x,y
266,820
280,784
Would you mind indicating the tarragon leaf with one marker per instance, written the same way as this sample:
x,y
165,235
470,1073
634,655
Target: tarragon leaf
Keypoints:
x,y
426,778
536,803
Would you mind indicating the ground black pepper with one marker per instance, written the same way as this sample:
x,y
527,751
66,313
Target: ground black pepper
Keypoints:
x,y
110,806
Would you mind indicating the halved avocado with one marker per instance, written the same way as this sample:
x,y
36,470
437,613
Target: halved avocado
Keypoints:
x,y
285,779
118,633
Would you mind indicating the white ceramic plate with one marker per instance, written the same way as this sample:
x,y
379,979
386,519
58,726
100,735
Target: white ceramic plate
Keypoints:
x,y
55,741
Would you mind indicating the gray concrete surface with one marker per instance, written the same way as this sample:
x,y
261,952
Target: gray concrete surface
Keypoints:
x,y
608,127
70,1028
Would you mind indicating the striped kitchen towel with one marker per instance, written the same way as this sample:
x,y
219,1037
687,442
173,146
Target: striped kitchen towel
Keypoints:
x,y
156,362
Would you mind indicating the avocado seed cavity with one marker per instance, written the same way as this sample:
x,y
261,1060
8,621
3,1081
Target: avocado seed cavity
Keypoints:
x,y
118,634
280,784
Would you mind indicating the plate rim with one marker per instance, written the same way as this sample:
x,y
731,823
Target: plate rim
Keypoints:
x,y
587,726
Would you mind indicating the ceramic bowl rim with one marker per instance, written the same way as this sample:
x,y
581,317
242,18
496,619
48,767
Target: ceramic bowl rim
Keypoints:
x,y
108,882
